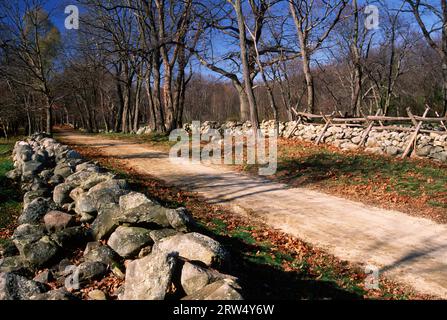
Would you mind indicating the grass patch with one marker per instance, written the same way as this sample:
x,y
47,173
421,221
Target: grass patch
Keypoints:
x,y
10,195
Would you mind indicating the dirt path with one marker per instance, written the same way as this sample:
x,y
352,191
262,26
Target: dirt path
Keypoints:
x,y
405,248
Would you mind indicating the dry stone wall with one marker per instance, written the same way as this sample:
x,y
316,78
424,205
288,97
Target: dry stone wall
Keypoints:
x,y
429,145
81,223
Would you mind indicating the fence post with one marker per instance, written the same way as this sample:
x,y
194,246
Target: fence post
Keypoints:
x,y
415,134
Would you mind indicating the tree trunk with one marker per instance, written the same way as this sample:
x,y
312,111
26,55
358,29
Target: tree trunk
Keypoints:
x,y
49,115
160,121
245,66
310,106
243,101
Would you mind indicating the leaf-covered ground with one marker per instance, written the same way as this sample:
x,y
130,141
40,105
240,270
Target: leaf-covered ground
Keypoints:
x,y
270,263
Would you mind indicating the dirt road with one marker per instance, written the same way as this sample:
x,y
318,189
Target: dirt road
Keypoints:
x,y
408,249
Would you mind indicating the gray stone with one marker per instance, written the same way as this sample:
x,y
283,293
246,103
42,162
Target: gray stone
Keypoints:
x,y
194,278
392,151
46,174
87,166
149,278
40,253
374,150
15,287
89,270
86,217
441,156
27,233
106,221
128,241
31,168
61,193
63,169
97,252
29,196
85,204
53,295
133,200
77,178
44,277
96,178
14,174
146,213
157,235
35,211
56,179
72,237
108,192
57,220
97,295
179,219
8,248
194,247
14,264
225,289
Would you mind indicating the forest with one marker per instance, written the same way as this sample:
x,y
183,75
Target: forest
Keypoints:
x,y
105,65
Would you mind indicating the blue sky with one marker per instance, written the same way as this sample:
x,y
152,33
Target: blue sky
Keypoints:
x,y
57,7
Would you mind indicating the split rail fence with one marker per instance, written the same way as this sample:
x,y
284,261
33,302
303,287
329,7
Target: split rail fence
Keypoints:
x,y
375,122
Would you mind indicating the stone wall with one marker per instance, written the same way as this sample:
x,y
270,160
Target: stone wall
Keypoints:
x,y
81,223
432,145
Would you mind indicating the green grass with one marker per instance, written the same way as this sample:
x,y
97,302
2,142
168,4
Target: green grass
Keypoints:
x,y
10,197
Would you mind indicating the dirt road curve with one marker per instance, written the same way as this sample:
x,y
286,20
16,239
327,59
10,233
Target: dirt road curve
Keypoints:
x,y
408,249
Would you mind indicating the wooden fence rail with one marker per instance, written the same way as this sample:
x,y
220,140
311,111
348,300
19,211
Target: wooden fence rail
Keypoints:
x,y
370,123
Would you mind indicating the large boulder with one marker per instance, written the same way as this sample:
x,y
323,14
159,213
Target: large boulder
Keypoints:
x,y
108,191
96,178
194,247
63,169
157,235
85,204
14,264
27,233
61,194
72,237
194,277
225,289
78,177
31,169
97,252
179,219
88,271
35,211
15,287
40,253
58,220
133,200
128,241
149,278
29,196
106,221
146,213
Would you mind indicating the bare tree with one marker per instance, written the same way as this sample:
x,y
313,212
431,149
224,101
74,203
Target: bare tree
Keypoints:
x,y
314,21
